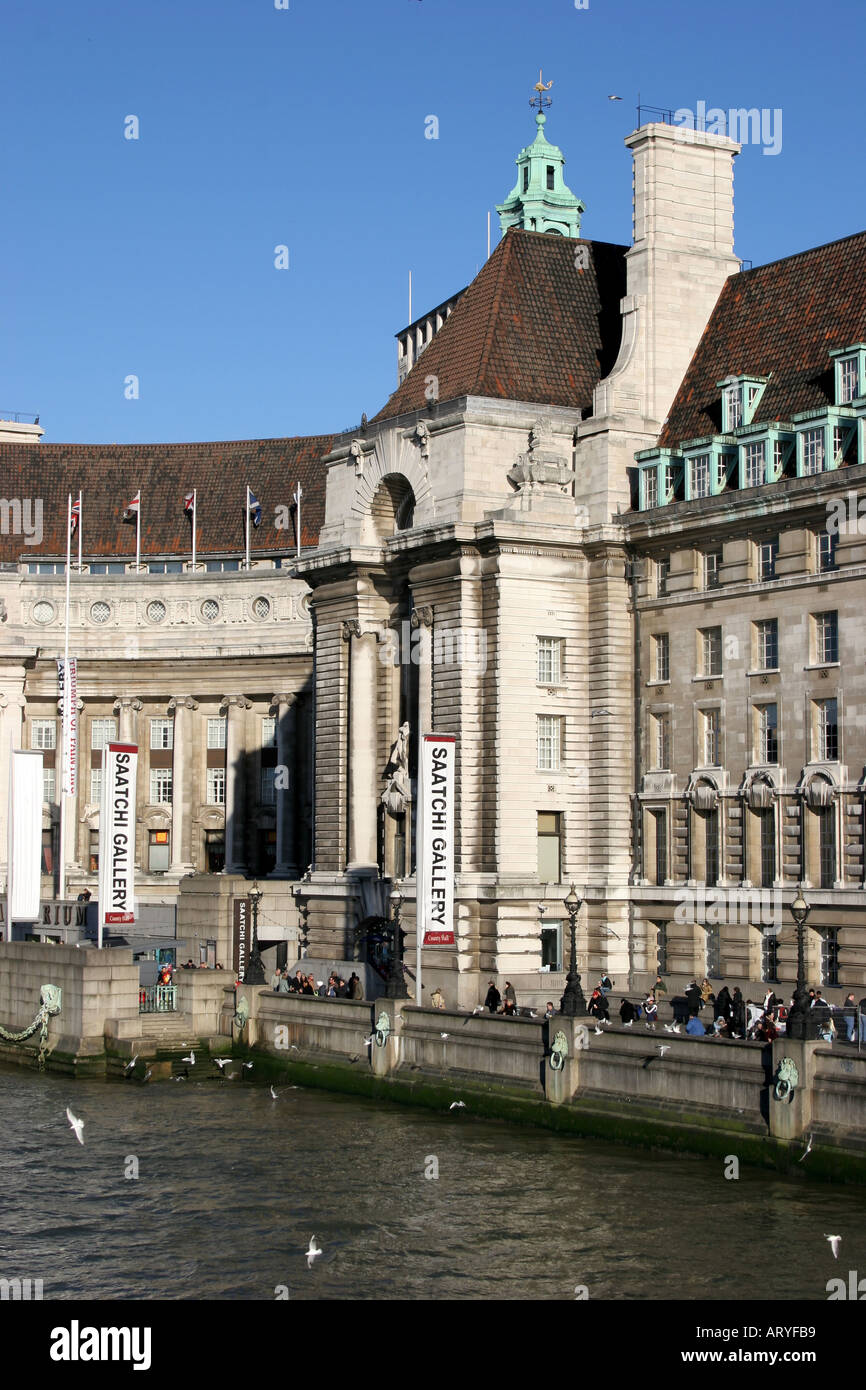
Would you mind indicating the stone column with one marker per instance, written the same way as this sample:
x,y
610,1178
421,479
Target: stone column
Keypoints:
x,y
12,705
284,707
363,800
422,621
181,789
126,707
235,706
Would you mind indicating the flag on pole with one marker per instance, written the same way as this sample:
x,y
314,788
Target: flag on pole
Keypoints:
x,y
254,508
189,503
132,511
75,514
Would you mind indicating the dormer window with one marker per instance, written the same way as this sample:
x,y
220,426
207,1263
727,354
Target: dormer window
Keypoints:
x,y
740,397
525,177
551,176
850,364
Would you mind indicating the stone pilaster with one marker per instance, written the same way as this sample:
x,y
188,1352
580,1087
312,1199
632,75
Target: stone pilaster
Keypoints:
x,y
235,706
181,792
11,716
422,622
363,785
284,707
126,707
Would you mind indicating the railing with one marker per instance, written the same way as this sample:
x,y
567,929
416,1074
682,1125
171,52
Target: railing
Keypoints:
x,y
157,999
18,416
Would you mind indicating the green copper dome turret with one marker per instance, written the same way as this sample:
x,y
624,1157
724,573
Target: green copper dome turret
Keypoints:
x,y
540,200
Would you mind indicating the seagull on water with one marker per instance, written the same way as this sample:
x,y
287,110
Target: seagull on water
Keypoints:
x,y
190,1059
312,1252
835,1242
178,1078
457,1105
221,1061
131,1064
807,1150
75,1124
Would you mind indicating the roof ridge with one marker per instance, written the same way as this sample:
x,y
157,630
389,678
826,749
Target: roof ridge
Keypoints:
x,y
807,251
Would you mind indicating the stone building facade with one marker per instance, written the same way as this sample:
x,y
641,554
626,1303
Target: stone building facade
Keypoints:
x,y
556,543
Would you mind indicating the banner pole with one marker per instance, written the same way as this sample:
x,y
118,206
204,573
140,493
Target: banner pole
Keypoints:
x,y
194,500
64,722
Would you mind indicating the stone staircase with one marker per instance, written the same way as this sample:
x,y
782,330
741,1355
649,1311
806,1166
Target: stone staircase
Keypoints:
x,y
166,1033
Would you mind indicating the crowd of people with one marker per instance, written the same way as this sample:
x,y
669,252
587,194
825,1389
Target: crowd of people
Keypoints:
x,y
283,982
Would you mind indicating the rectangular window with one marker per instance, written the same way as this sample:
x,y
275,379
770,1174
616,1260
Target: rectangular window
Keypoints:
x,y
549,833
549,735
755,457
214,851
827,845
668,481
165,567
551,946
49,785
94,851
551,176
650,488
663,569
661,741
43,733
162,733
769,957
767,820
662,657
711,848
712,567
160,785
95,785
767,554
102,732
813,451
549,661
111,567
48,851
216,787
222,566
661,823
711,721
711,651
269,731
268,795
826,637
768,734
714,952
158,851
826,742
830,957
661,947
216,733
767,644
700,475
825,551
733,407
849,380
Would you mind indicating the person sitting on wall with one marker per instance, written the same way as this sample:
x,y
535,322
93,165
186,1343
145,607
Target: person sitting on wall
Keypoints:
x,y
83,896
766,1030
626,1012
437,999
651,1010
598,1006
493,999
694,1025
307,986
510,997
694,998
659,987
605,984
549,1010
342,988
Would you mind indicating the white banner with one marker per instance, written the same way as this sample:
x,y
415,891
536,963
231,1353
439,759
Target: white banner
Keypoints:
x,y
435,857
117,833
69,738
25,837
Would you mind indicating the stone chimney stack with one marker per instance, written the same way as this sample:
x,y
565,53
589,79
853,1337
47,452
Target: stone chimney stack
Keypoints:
x,y
682,253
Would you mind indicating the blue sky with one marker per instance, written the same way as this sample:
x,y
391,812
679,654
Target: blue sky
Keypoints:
x,y
305,127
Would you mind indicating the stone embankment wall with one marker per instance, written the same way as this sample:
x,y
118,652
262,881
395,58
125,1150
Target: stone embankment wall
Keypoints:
x,y
701,1095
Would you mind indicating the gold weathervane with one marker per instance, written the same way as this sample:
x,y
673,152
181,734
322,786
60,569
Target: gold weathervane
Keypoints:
x,y
541,85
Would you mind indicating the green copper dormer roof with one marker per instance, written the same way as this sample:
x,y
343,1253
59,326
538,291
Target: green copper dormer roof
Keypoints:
x,y
540,200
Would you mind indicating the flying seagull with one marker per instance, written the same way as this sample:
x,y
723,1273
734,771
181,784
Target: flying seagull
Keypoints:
x,y
190,1059
274,1095
76,1124
457,1105
479,1009
178,1078
808,1150
294,1047
131,1064
248,1065
368,1041
221,1061
312,1252
663,1049
614,98
147,1075
835,1242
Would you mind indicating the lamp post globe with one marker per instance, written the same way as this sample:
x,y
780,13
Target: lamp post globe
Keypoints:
x,y
573,1003
255,971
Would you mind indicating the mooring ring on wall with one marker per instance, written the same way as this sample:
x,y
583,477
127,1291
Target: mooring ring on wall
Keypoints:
x,y
787,1079
383,1029
559,1051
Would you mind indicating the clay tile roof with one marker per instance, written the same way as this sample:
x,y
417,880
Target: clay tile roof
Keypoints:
x,y
780,321
109,475
532,326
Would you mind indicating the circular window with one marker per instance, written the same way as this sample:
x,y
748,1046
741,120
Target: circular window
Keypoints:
x,y
100,611
210,610
261,608
43,612
156,611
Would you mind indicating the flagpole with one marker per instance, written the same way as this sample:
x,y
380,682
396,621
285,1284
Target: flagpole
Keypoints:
x,y
80,519
194,499
247,510
298,495
138,534
65,752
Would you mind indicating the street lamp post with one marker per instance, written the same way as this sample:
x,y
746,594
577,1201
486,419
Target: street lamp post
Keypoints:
x,y
573,1004
395,987
800,1023
255,971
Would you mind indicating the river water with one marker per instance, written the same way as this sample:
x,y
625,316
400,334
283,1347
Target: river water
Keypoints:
x,y
231,1186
